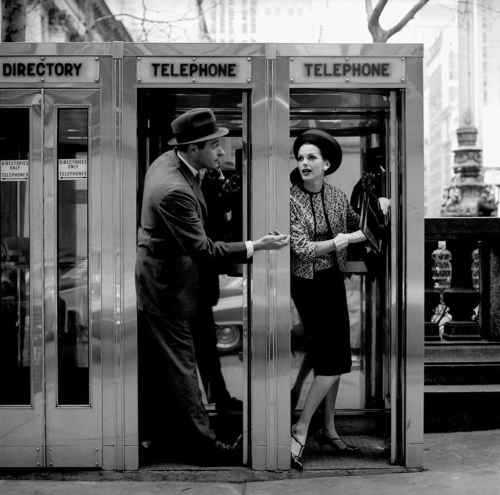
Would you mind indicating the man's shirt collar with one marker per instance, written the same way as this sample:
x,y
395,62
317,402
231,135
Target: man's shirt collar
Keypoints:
x,y
193,170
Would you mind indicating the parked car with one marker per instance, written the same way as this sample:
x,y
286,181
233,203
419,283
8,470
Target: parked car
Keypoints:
x,y
228,316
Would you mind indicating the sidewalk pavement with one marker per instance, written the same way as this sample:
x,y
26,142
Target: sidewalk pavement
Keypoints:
x,y
463,463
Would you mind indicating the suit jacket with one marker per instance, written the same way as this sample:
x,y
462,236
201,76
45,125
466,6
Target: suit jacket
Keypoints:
x,y
172,241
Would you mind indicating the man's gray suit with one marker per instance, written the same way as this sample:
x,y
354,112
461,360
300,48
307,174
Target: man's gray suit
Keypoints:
x,y
171,243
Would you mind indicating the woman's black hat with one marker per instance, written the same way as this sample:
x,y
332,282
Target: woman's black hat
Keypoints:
x,y
328,145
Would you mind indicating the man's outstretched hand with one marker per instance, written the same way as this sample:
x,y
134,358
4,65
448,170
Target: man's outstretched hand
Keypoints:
x,y
271,242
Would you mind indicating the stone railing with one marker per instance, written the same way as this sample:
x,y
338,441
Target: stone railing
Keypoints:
x,y
462,279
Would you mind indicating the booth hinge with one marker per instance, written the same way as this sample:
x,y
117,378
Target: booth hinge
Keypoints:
x,y
271,51
43,110
38,105
117,49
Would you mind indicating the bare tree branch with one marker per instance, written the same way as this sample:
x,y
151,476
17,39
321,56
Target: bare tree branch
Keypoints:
x,y
407,18
379,8
151,20
143,19
379,34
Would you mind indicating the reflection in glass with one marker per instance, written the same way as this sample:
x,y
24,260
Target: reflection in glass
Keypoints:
x,y
15,362
72,264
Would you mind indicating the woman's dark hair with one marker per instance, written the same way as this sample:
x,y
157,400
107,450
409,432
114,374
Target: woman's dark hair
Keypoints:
x,y
295,177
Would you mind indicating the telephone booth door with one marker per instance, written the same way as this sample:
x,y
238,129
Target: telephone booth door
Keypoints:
x,y
226,81
51,378
364,97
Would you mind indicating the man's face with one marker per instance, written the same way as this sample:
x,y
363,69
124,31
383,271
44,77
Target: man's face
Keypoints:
x,y
209,156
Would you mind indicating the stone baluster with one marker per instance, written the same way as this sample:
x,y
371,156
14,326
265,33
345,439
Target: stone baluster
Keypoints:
x,y
432,296
461,298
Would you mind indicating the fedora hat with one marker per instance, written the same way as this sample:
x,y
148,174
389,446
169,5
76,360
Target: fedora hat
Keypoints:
x,y
328,145
195,126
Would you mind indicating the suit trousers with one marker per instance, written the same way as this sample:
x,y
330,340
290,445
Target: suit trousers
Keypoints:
x,y
170,398
207,355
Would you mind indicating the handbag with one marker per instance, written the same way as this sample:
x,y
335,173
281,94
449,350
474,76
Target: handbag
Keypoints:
x,y
372,220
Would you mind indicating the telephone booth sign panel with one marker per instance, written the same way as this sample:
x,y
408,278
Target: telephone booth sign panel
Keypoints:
x,y
81,124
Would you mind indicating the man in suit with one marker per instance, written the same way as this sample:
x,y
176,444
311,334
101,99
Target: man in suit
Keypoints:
x,y
172,243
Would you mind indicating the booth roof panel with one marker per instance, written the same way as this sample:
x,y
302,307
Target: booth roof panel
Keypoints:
x,y
56,49
350,49
195,49
215,49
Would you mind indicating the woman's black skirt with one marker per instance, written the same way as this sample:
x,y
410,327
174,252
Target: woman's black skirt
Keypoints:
x,y
322,306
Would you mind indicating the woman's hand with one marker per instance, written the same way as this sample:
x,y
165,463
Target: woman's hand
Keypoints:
x,y
385,205
341,241
357,236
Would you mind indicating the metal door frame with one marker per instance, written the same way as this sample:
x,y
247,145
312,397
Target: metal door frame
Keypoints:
x,y
65,443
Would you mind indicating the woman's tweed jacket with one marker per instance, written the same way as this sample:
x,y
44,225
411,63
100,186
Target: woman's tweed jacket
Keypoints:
x,y
343,219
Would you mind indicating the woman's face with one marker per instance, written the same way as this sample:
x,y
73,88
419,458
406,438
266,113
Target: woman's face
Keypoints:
x,y
312,165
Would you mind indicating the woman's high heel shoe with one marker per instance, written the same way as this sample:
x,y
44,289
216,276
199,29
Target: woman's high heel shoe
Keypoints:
x,y
296,451
336,444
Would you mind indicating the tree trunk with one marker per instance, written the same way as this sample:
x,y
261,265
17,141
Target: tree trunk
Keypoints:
x,y
13,20
89,20
202,23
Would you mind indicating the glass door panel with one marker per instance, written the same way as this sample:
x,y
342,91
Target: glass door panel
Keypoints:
x,y
72,257
15,358
21,349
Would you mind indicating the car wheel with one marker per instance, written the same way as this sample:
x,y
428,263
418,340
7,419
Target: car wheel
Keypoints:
x,y
229,338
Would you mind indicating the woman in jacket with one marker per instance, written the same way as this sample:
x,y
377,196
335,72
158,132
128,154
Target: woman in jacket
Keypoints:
x,y
323,224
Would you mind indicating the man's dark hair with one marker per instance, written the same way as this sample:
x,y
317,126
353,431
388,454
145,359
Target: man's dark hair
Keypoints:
x,y
184,147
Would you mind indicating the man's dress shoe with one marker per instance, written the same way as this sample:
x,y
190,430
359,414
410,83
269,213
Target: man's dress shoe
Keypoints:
x,y
229,405
221,454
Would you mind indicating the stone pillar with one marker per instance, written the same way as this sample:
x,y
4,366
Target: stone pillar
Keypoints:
x,y
463,193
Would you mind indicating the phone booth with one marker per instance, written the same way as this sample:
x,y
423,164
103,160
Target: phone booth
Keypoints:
x,y
80,125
